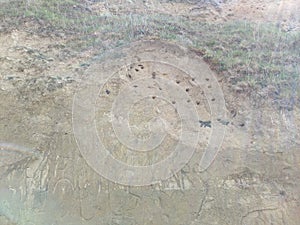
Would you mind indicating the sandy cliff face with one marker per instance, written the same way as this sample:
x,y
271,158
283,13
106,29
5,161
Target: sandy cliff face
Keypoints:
x,y
45,178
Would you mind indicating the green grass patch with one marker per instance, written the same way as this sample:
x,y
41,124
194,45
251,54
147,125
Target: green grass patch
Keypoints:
x,y
260,54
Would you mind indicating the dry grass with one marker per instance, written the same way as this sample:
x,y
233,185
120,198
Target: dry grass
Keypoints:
x,y
260,54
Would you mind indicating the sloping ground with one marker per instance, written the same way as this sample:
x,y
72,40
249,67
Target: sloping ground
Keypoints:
x,y
284,13
253,180
260,156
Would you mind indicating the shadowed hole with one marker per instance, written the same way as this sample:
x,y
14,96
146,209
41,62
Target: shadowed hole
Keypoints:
x,y
153,75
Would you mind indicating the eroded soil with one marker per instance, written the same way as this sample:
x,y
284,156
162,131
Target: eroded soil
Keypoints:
x,y
253,180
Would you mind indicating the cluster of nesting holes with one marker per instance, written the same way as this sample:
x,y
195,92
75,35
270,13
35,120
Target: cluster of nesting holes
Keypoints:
x,y
209,86
141,67
187,89
138,68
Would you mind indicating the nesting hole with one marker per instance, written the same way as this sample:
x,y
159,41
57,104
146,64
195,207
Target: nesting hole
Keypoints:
x,y
153,75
